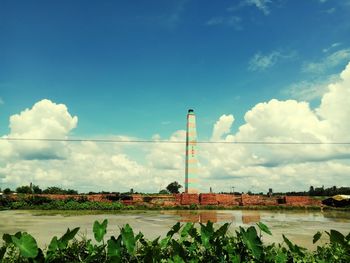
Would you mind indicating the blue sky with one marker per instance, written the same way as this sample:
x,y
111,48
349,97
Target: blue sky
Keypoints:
x,y
149,61
133,68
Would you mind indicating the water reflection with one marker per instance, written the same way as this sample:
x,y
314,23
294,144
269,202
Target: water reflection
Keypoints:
x,y
245,217
298,226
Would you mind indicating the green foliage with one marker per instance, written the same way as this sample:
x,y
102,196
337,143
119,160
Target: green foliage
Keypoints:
x,y
59,190
186,243
25,189
100,230
27,245
174,187
128,238
7,191
44,203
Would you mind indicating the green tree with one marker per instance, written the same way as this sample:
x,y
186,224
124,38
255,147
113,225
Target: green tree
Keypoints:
x,y
164,192
59,191
36,189
7,191
25,189
174,187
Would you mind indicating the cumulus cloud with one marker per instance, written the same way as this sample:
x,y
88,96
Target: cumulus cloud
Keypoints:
x,y
44,120
89,166
282,166
330,61
222,127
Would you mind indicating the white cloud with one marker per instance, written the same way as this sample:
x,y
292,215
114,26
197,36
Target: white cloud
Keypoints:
x,y
1,101
231,21
115,167
262,5
262,62
222,127
335,59
44,120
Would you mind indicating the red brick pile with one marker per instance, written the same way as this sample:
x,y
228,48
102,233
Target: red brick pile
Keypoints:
x,y
189,199
178,198
225,199
208,199
137,198
252,200
269,201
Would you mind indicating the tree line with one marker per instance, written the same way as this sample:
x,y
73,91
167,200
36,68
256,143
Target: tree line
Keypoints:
x,y
174,188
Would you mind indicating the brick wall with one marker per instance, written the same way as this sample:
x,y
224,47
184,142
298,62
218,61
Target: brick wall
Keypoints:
x,y
252,200
137,198
189,199
226,199
208,199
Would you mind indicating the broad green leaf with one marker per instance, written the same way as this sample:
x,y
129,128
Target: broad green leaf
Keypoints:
x,y
207,232
253,242
264,228
185,230
317,237
174,229
27,245
164,242
53,246
69,235
114,249
293,247
336,237
128,238
289,244
100,230
222,230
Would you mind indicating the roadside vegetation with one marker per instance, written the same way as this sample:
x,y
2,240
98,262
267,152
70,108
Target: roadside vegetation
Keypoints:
x,y
186,243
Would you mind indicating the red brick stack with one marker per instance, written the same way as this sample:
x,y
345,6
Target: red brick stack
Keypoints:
x,y
137,198
252,200
225,199
189,199
178,198
208,199
270,201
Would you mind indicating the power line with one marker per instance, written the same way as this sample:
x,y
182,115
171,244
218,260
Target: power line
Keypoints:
x,y
173,142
